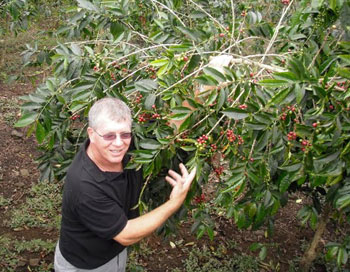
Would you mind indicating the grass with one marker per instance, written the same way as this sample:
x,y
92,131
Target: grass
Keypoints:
x,y
41,208
201,259
11,250
9,108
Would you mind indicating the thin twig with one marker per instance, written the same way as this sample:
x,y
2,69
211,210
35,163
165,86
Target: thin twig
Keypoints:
x,y
209,15
170,10
274,37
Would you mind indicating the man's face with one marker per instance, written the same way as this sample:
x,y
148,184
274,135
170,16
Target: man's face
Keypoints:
x,y
108,152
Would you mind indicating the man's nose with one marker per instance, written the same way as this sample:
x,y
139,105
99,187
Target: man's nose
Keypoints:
x,y
118,140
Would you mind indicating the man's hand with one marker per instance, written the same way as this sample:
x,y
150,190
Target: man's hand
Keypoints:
x,y
142,226
181,183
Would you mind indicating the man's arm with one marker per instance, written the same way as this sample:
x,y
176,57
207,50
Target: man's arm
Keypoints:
x,y
142,226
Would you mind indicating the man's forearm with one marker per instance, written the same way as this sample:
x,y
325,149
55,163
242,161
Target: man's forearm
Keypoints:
x,y
142,226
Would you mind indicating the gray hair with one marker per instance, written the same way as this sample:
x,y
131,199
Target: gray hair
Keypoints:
x,y
111,108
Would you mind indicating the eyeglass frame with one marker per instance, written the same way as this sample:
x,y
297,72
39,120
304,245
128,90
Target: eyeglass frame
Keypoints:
x,y
127,136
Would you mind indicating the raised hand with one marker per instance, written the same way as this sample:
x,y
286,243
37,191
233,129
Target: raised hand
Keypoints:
x,y
180,183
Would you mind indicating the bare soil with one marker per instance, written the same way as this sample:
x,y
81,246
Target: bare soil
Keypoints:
x,y
18,173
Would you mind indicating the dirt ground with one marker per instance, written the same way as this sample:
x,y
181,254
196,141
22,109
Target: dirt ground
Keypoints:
x,y
18,172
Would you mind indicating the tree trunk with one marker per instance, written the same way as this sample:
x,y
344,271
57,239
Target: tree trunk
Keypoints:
x,y
311,253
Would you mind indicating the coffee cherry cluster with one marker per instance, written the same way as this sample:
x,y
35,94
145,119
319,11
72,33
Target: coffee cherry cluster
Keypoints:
x,y
305,144
138,99
112,76
288,109
243,106
142,117
213,147
231,137
152,72
292,136
156,116
203,139
199,199
218,171
285,2
75,117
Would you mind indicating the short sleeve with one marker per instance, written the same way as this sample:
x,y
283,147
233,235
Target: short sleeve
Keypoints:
x,y
101,215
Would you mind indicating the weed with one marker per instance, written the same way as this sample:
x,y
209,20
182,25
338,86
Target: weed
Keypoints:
x,y
4,201
41,209
9,108
135,253
10,250
205,259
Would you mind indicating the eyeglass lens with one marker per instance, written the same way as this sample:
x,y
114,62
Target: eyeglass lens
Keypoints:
x,y
113,136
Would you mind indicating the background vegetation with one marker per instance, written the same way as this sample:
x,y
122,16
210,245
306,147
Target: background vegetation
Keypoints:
x,y
270,120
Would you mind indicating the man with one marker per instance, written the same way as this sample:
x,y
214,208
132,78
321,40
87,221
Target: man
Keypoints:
x,y
98,219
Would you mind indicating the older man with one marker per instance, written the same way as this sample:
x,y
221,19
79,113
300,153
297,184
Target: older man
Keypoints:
x,y
98,219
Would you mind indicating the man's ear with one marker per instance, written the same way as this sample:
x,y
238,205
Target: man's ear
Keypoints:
x,y
90,133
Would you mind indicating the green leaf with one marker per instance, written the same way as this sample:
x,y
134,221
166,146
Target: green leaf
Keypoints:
x,y
150,101
88,5
26,119
150,144
207,80
327,158
181,110
50,85
40,132
342,202
345,58
285,181
185,124
146,85
236,185
192,34
256,126
255,246
159,62
180,48
194,62
286,76
236,114
344,72
143,160
76,49
221,100
297,68
279,97
291,167
116,29
211,98
214,73
263,253
178,116
342,257
273,83
188,148
299,92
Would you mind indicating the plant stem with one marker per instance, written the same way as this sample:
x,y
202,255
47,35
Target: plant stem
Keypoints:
x,y
311,253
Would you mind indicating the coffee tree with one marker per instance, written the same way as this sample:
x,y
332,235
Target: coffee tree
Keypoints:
x,y
256,92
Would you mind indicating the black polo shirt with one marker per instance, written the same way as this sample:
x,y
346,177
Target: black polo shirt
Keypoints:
x,y
96,206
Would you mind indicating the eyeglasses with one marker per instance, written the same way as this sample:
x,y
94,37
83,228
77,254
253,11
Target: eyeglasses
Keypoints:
x,y
113,136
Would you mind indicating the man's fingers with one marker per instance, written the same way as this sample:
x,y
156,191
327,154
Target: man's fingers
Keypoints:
x,y
191,176
170,181
193,173
174,175
183,170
